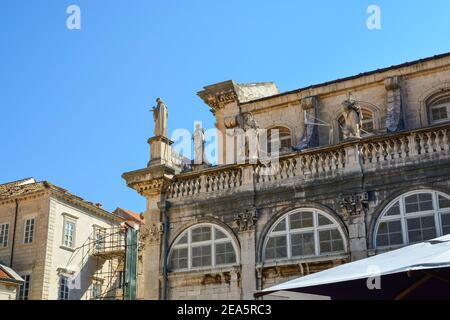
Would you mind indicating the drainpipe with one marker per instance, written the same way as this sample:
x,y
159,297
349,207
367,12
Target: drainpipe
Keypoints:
x,y
13,242
165,248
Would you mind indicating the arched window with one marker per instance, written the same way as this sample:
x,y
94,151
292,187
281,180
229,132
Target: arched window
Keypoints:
x,y
368,125
283,139
439,108
413,217
201,246
303,233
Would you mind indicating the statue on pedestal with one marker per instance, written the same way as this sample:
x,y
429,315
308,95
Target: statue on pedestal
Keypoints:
x,y
160,115
199,144
352,119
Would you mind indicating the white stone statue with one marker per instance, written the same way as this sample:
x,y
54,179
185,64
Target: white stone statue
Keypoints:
x,y
352,118
199,144
160,115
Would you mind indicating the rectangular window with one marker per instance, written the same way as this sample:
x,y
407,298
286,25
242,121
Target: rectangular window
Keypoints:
x,y
69,233
29,231
24,287
100,236
4,232
63,288
439,113
96,290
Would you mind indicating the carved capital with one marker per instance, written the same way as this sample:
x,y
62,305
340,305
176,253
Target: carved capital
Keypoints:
x,y
392,83
246,221
354,204
151,187
309,103
152,233
219,100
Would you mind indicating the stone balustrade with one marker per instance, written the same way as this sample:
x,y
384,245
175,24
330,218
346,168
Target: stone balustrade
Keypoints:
x,y
371,153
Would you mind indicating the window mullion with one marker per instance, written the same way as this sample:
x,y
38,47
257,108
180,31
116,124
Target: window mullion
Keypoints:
x,y
437,218
213,247
403,220
287,234
189,250
316,234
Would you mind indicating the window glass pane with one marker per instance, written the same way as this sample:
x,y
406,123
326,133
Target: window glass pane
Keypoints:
x,y
201,234
281,226
418,202
302,244
4,231
439,113
24,288
330,241
389,233
183,239
301,220
225,253
276,248
179,259
394,210
324,221
444,202
201,256
29,231
64,288
220,234
421,229
445,218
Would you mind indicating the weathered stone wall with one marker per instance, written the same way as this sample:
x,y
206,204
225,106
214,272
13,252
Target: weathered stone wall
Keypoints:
x,y
373,170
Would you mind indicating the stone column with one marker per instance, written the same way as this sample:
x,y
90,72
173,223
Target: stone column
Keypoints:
x,y
246,223
151,285
354,208
394,119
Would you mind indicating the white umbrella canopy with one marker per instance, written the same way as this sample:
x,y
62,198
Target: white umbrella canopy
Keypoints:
x,y
432,254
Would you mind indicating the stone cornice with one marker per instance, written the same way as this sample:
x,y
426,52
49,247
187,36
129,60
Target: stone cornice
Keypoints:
x,y
151,180
339,86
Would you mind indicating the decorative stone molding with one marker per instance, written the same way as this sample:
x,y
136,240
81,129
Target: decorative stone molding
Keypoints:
x,y
152,186
246,221
354,204
394,119
152,233
218,101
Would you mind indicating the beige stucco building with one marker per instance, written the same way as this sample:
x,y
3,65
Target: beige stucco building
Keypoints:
x,y
56,241
343,187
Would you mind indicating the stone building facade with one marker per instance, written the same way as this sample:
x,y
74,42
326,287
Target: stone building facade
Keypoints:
x,y
364,167
53,240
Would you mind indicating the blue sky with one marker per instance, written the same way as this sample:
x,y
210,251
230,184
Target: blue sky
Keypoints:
x,y
75,103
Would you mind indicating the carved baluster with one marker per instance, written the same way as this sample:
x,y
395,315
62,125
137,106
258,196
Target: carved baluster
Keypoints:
x,y
445,145
431,147
422,148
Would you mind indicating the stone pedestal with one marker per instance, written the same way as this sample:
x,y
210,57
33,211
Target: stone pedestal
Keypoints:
x,y
160,150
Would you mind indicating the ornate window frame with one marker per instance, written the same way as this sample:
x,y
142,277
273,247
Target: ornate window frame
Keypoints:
x,y
403,216
211,242
316,229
